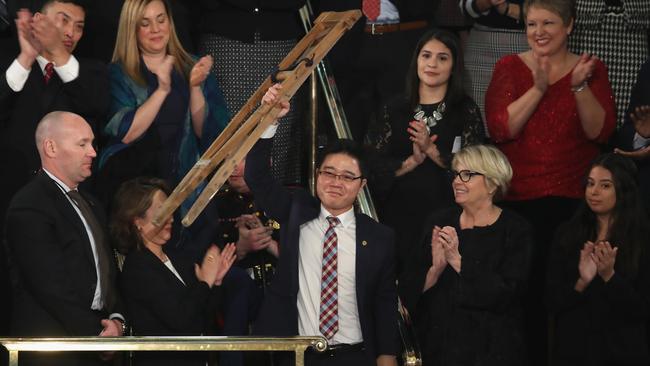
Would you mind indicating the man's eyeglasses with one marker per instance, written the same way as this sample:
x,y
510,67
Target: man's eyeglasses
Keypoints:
x,y
464,175
333,176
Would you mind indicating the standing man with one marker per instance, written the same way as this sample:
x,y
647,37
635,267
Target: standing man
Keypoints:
x,y
44,77
62,268
335,274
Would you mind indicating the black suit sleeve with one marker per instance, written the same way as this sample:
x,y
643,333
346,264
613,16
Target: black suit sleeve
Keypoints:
x,y
270,195
386,303
40,260
7,98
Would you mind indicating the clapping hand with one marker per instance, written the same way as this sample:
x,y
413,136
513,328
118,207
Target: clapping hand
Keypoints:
x,y
641,118
418,155
540,72
164,73
224,262
29,46
200,71
586,266
604,255
215,264
583,70
438,260
272,95
449,240
49,36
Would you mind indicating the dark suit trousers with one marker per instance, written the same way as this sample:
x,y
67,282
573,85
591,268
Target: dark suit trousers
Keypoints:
x,y
312,358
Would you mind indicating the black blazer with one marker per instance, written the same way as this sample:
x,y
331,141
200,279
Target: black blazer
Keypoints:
x,y
375,279
158,303
52,266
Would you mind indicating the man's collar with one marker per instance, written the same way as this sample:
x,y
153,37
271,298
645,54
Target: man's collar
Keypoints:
x,y
58,181
42,61
346,218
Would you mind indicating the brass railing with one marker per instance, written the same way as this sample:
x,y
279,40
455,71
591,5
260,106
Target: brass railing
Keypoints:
x,y
296,344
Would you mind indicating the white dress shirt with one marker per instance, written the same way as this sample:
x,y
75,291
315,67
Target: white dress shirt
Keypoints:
x,y
17,75
312,235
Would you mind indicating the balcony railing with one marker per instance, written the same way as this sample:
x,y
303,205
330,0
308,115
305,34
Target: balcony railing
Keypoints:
x,y
298,345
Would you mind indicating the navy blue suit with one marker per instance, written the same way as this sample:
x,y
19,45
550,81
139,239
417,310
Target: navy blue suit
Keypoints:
x,y
375,279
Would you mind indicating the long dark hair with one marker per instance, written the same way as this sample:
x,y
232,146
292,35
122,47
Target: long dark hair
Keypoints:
x,y
455,89
629,227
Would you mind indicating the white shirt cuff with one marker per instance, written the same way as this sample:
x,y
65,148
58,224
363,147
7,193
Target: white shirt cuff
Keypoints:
x,y
17,76
639,141
117,316
270,132
69,71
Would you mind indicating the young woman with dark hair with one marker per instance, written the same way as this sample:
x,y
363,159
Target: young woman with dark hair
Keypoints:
x,y
417,135
599,272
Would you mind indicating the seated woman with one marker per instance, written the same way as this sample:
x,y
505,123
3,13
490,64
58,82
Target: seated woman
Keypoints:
x,y
419,133
599,272
165,293
165,106
465,285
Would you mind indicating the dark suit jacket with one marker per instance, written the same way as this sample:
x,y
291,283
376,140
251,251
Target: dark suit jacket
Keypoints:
x,y
159,304
375,279
52,266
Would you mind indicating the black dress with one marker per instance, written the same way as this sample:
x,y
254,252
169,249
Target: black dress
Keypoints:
x,y
404,202
475,317
606,324
159,304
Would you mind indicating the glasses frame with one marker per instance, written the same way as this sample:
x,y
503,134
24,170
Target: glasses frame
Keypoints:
x,y
333,176
468,174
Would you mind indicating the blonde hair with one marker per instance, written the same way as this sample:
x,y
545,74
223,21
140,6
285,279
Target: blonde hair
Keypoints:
x,y
126,49
489,161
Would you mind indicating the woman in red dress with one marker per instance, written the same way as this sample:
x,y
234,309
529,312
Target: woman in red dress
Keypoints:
x,y
548,110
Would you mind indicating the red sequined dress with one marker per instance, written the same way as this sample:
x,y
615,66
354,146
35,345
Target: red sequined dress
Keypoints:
x,y
551,154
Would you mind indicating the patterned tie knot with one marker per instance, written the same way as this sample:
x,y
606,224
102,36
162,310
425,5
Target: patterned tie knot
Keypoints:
x,y
333,220
49,71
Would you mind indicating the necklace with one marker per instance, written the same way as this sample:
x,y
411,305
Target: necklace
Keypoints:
x,y
432,120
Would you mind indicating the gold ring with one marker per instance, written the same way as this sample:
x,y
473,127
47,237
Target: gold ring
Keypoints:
x,y
210,257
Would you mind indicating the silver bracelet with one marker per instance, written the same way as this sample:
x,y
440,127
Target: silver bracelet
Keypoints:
x,y
579,88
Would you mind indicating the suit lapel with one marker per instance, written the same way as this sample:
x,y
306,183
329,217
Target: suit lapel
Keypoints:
x,y
362,260
64,207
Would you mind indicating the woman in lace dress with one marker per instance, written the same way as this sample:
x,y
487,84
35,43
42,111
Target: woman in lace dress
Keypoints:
x,y
420,132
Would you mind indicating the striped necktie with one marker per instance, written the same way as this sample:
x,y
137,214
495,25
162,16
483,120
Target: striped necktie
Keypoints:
x,y
329,304
371,9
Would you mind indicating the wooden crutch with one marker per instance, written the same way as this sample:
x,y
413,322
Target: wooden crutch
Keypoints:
x,y
236,140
